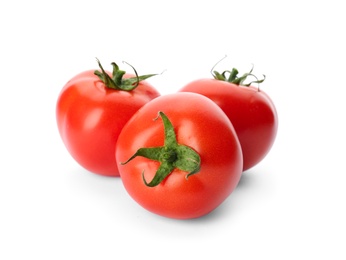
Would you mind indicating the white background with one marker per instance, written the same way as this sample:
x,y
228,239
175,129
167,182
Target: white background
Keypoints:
x,y
290,206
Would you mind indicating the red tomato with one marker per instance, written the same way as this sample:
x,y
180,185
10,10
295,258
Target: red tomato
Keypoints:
x,y
250,110
91,111
180,156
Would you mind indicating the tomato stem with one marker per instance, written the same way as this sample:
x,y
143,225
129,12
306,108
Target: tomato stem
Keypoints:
x,y
117,81
171,155
231,76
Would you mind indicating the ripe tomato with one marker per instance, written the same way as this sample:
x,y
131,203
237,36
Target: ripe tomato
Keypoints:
x,y
91,111
250,110
180,156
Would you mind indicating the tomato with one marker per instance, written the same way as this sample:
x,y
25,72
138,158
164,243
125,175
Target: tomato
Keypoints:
x,y
92,109
251,111
179,156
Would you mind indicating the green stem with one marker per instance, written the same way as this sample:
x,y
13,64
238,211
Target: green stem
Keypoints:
x,y
171,155
232,77
117,81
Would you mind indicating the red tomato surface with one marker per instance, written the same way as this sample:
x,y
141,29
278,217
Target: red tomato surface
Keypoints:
x,y
199,124
90,117
250,110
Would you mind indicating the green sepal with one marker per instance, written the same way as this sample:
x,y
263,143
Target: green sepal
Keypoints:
x,y
117,81
164,170
152,152
232,77
171,156
192,162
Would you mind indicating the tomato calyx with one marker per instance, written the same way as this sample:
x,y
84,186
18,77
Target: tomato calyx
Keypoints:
x,y
232,77
117,81
171,155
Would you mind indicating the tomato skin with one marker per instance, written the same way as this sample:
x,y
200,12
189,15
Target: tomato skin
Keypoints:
x,y
252,113
90,117
198,123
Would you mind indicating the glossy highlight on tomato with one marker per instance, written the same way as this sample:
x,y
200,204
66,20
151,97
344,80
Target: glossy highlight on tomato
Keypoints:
x,y
179,156
92,109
